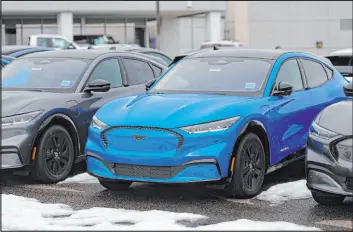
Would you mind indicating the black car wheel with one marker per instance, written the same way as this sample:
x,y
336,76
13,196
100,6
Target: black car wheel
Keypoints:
x,y
114,184
325,199
55,156
249,170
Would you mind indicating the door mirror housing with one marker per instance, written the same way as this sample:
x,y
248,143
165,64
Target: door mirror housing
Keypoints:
x,y
348,90
98,85
71,46
149,84
283,89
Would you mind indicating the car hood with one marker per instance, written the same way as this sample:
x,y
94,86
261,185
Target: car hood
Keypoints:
x,y
167,110
338,118
13,101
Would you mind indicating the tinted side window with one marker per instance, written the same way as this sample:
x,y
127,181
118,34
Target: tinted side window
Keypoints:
x,y
340,60
138,72
157,71
45,42
60,43
314,72
290,72
108,70
165,59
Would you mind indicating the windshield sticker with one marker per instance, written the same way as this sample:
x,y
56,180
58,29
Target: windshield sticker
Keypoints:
x,y
214,70
65,83
250,85
36,69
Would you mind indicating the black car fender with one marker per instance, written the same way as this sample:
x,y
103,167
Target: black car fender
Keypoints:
x,y
49,119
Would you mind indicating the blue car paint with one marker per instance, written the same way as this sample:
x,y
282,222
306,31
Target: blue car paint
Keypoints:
x,y
20,78
5,61
30,50
286,121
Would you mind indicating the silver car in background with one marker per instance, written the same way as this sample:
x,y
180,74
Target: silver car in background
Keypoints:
x,y
342,60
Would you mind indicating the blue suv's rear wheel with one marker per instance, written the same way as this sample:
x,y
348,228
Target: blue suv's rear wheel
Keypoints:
x,y
249,169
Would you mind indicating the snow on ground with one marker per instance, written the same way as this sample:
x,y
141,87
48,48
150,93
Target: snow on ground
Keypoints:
x,y
280,193
20,213
83,178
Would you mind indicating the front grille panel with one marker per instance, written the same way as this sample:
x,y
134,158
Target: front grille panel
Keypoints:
x,y
171,139
349,183
163,172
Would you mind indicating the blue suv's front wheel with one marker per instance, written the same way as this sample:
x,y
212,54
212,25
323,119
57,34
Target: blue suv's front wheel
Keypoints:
x,y
249,168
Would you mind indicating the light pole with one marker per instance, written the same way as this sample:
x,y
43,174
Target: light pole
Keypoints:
x,y
158,20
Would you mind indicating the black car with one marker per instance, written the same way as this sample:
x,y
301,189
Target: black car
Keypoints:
x,y
328,163
49,99
17,51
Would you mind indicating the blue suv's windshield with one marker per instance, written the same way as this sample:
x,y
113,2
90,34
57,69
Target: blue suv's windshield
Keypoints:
x,y
226,75
58,74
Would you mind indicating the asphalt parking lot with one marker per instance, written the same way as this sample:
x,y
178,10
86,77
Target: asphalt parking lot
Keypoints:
x,y
193,198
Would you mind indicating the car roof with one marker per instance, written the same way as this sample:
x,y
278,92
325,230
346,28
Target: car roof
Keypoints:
x,y
342,52
10,58
80,54
6,50
89,54
249,53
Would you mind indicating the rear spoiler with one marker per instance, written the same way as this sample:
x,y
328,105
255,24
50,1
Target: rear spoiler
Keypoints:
x,y
177,58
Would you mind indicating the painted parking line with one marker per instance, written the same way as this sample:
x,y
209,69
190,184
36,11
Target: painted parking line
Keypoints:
x,y
337,223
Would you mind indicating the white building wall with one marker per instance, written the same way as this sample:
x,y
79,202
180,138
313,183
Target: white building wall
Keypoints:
x,y
65,25
170,36
298,25
292,24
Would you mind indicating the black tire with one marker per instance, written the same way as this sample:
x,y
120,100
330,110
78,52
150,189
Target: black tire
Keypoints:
x,y
55,156
249,169
114,184
326,199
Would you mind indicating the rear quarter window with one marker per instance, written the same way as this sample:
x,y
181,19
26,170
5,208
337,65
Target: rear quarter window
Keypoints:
x,y
315,73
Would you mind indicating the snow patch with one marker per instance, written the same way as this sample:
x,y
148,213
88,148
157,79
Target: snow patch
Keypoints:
x,y
280,193
83,178
20,213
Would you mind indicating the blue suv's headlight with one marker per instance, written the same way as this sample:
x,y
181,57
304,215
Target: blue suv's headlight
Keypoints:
x,y
211,126
96,123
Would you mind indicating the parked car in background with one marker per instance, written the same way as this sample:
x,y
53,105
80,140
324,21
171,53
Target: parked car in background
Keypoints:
x,y
17,51
49,99
53,41
5,60
148,51
227,115
94,39
342,60
329,157
209,45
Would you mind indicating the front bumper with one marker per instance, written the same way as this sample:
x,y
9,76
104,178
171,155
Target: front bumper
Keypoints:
x,y
163,156
16,146
324,172
206,170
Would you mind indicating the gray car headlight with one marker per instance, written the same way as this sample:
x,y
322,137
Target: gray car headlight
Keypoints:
x,y
20,118
344,149
321,132
96,123
211,126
